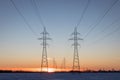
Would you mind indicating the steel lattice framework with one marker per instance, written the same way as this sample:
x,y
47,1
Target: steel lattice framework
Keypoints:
x,y
44,38
76,64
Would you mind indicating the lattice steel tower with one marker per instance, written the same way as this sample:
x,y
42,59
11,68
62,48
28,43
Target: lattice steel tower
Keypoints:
x,y
54,64
63,65
76,64
44,38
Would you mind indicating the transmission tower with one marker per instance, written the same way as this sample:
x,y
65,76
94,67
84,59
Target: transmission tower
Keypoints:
x,y
76,64
63,65
54,63
44,61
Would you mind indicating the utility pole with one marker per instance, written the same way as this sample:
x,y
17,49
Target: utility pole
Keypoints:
x,y
76,64
44,61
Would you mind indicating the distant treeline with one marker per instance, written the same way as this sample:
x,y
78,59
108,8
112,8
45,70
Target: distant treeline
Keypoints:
x,y
99,71
87,71
10,71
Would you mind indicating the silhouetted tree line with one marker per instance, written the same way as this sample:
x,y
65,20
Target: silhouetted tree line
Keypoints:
x,y
87,71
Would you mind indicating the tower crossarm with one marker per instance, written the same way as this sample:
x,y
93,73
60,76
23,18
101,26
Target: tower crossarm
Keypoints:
x,y
77,38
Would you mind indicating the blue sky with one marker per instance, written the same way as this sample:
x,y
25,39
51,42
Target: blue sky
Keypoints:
x,y
20,48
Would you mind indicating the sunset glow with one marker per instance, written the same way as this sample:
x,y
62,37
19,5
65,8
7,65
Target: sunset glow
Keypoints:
x,y
51,70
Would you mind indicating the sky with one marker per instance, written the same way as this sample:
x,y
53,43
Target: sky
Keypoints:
x,y
99,28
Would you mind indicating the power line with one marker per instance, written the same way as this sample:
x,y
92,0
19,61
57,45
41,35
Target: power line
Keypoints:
x,y
38,12
117,29
82,15
108,27
23,18
101,19
107,35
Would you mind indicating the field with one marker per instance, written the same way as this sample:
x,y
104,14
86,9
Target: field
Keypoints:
x,y
59,76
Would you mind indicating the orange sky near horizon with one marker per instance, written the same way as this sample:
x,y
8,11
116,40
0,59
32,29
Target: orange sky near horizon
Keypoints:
x,y
35,69
58,69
